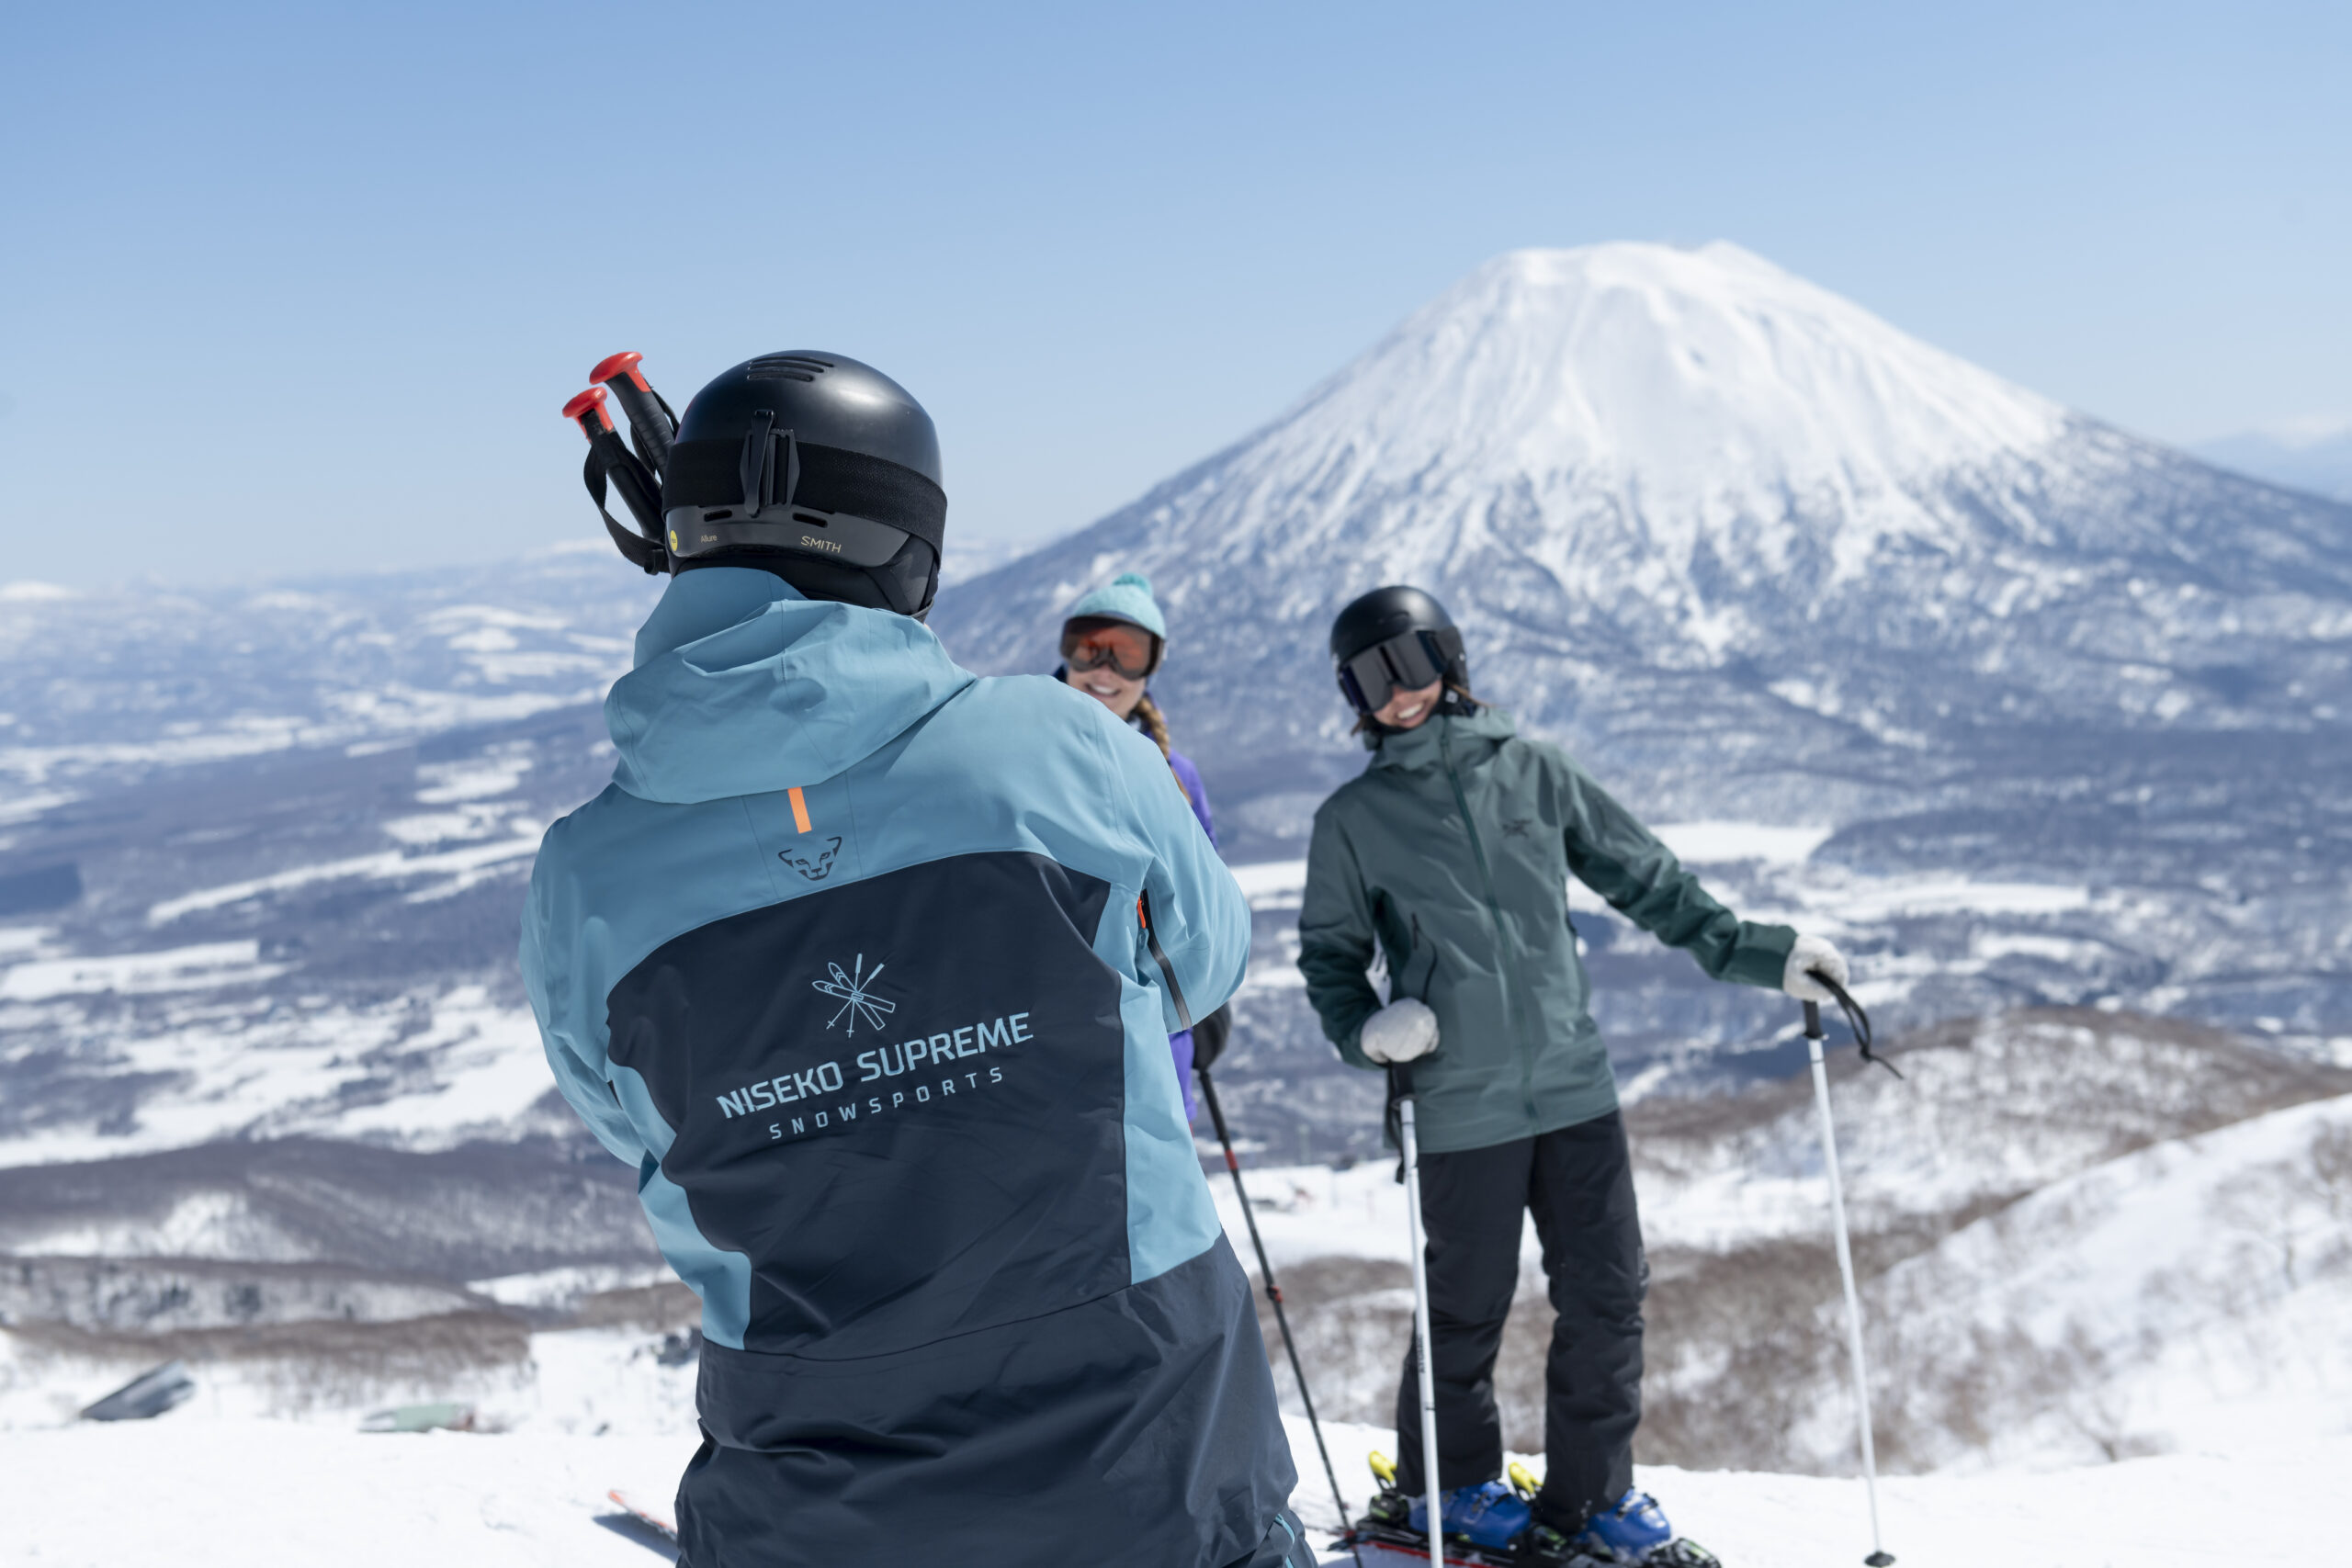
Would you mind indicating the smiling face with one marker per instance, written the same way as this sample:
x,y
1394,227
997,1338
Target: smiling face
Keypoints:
x,y
1407,710
1110,688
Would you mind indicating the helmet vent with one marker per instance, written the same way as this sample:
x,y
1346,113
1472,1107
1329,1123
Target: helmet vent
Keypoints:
x,y
785,367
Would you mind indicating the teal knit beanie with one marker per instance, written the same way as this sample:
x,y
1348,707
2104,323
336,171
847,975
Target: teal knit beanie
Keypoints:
x,y
1127,597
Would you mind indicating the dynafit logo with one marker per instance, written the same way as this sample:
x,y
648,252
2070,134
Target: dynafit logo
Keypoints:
x,y
853,991
815,867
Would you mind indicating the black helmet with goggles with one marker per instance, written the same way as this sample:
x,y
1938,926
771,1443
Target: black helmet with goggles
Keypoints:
x,y
1397,639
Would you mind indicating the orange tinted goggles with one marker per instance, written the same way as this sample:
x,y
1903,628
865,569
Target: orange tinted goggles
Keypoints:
x,y
1091,643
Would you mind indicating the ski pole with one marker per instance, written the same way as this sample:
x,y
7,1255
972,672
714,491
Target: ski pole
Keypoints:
x,y
651,424
1409,1150
1879,1557
610,459
1273,1291
640,491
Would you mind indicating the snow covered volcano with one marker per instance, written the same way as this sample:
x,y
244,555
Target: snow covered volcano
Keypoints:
x,y
1759,556
1666,487
1631,396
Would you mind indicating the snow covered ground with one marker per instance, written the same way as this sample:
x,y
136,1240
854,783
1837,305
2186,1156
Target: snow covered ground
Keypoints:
x,y
2176,1311
194,1493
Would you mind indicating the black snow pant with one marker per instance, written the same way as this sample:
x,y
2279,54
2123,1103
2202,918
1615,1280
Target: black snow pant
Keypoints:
x,y
1284,1546
1579,1183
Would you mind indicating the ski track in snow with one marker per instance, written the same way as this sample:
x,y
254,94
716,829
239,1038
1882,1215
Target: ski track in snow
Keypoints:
x,y
196,1494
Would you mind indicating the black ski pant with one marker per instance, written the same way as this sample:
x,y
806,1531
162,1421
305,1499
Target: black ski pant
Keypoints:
x,y
1284,1546
1578,1183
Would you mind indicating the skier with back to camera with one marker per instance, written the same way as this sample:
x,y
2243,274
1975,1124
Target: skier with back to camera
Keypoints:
x,y
1450,854
1114,640
868,966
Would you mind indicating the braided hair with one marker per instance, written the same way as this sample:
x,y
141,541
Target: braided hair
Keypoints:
x,y
1155,724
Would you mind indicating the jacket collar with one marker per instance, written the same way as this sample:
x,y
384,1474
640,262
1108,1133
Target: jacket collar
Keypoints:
x,y
1469,739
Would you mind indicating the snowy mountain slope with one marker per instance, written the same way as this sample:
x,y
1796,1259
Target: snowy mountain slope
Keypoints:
x,y
1986,1112
1691,461
475,1214
112,686
109,687
2057,729
2195,1292
1759,556
2316,458
307,943
112,1296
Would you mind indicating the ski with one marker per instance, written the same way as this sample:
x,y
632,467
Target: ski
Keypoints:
x,y
1384,1542
647,1517
1380,1542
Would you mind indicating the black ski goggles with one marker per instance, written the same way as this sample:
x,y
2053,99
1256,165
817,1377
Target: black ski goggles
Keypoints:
x,y
1406,663
1093,641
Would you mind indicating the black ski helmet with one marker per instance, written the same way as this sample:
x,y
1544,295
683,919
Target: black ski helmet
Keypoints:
x,y
817,467
1393,638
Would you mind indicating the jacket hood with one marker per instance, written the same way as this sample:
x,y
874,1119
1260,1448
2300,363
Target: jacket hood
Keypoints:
x,y
744,686
1471,736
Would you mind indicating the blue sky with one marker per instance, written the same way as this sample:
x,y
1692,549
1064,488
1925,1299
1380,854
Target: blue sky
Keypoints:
x,y
286,289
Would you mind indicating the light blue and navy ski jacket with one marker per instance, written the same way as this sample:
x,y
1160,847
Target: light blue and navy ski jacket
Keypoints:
x,y
847,962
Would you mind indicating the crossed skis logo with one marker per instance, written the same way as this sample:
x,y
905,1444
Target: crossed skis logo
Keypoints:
x,y
852,991
932,1068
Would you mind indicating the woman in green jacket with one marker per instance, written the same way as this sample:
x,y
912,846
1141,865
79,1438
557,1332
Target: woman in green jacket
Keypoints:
x,y
1450,855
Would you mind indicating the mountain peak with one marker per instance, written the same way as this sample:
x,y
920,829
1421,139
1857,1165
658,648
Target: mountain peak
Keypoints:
x,y
1654,483
1701,376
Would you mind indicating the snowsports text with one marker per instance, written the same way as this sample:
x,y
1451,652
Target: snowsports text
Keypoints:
x,y
882,1061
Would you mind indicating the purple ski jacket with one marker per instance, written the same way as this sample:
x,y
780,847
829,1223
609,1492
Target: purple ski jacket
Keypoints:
x,y
1181,1042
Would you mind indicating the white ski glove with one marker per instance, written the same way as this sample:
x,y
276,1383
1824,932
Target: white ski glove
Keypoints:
x,y
1809,954
1399,1032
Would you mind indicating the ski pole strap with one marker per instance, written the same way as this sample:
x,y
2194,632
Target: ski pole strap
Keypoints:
x,y
643,550
1857,1020
1159,956
610,459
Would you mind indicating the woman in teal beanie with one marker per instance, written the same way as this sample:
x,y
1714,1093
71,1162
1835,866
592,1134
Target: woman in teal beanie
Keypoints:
x,y
1114,640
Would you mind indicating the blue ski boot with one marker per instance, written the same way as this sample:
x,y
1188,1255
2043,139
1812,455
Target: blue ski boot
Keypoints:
x,y
1635,1531
1491,1515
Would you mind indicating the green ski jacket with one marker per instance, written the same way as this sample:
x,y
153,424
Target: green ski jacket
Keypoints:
x,y
1452,850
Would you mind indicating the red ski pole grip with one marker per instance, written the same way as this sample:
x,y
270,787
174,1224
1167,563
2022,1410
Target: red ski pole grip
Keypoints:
x,y
648,420
622,363
587,410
